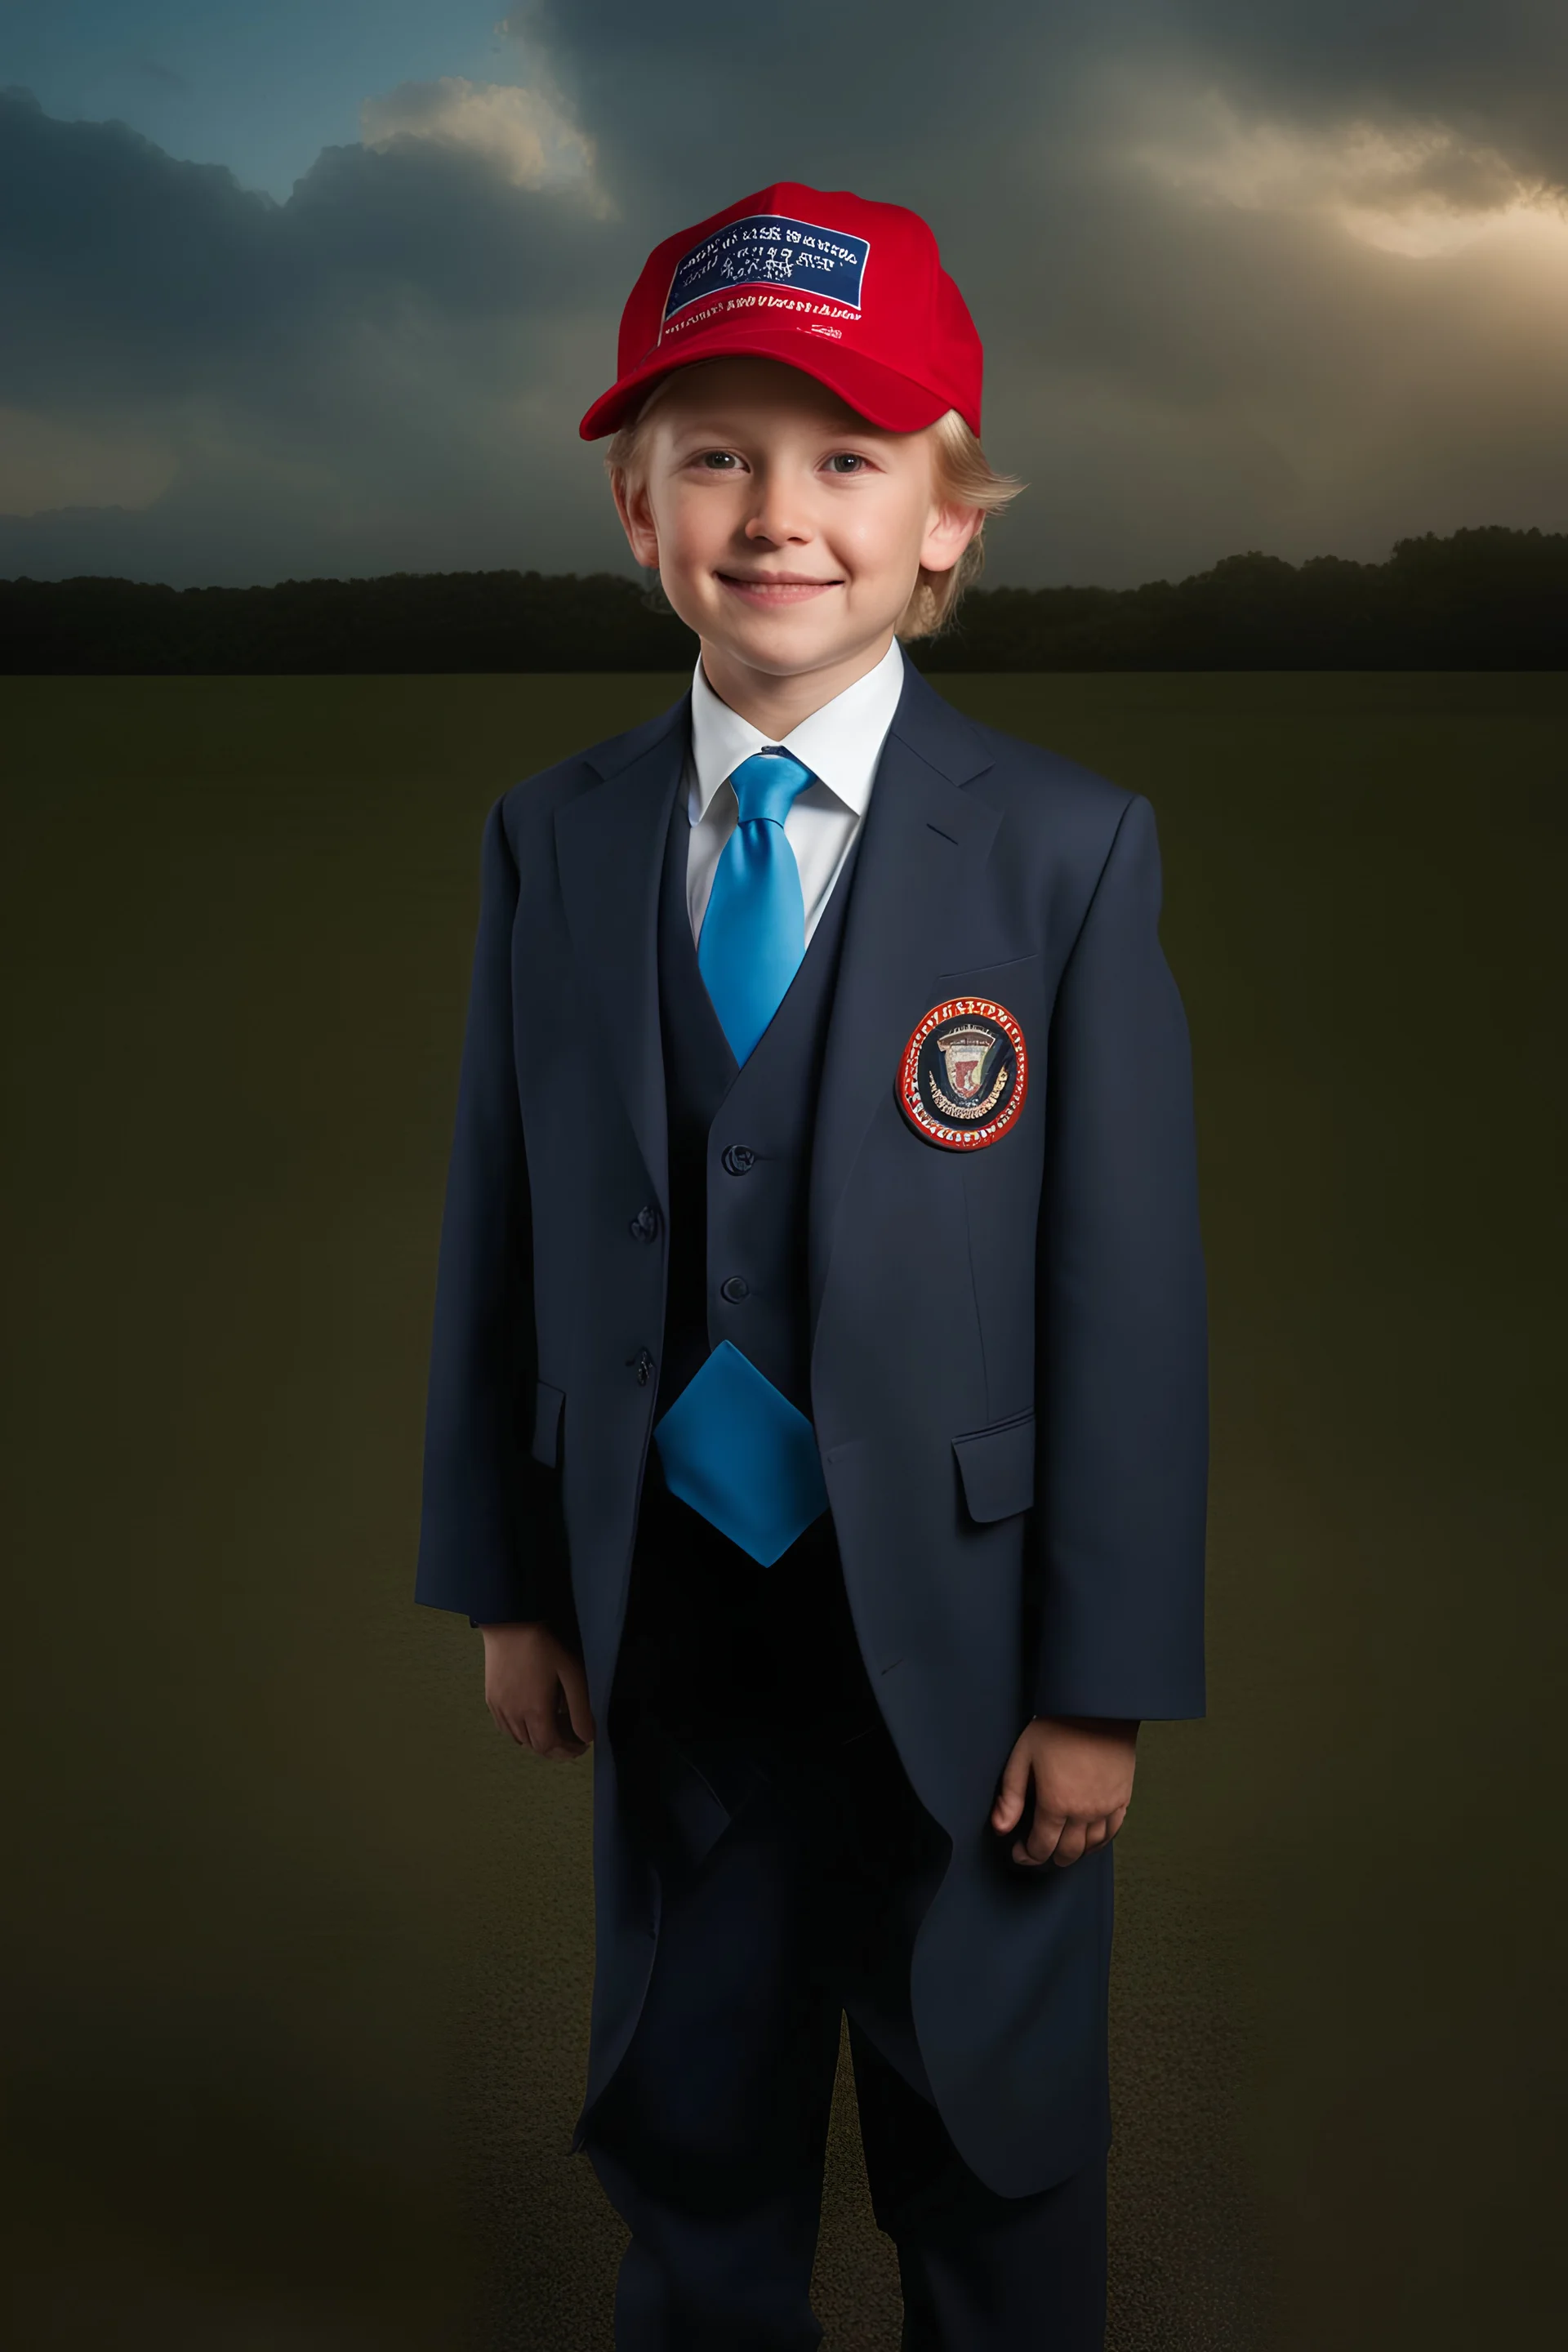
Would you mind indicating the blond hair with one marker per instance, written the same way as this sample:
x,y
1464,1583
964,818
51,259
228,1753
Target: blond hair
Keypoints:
x,y
962,475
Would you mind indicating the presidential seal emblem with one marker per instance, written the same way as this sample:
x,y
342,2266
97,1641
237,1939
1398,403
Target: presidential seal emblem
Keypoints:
x,y
964,1074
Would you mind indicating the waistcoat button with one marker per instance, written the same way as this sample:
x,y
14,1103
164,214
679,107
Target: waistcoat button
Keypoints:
x,y
739,1158
734,1290
644,1225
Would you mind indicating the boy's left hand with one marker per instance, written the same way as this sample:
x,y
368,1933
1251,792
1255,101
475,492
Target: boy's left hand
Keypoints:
x,y
1081,1766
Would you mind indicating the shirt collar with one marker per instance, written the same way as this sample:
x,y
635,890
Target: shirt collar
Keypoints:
x,y
841,744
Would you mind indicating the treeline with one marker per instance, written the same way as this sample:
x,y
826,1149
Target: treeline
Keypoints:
x,y
1479,599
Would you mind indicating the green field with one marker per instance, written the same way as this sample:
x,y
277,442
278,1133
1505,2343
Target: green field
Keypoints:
x,y
301,1955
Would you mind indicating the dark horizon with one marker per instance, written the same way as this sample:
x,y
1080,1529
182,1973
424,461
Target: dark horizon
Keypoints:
x,y
1485,598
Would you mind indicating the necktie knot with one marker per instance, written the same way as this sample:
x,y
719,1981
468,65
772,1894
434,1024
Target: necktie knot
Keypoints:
x,y
766,785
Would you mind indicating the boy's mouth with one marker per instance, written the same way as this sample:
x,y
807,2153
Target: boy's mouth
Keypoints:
x,y
774,588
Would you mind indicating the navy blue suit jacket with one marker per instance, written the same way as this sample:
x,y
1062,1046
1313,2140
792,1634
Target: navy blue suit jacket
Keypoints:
x,y
1009,1353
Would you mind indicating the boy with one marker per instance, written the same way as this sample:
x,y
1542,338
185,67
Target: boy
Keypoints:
x,y
819,1393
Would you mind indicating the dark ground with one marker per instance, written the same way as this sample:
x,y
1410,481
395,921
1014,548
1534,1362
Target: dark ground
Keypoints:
x,y
300,1953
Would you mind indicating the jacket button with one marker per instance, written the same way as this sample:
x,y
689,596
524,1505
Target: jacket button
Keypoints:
x,y
644,1225
738,1158
734,1290
642,1364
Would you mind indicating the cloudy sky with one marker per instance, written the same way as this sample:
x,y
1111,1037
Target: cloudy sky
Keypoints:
x,y
323,286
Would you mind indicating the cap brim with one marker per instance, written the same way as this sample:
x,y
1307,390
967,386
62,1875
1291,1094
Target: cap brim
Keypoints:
x,y
880,395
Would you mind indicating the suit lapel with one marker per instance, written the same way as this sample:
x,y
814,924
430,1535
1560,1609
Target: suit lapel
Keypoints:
x,y
911,916
610,842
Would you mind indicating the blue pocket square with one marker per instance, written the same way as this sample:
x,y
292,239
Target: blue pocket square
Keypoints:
x,y
735,1448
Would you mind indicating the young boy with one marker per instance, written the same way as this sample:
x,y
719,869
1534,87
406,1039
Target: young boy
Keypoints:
x,y
818,1397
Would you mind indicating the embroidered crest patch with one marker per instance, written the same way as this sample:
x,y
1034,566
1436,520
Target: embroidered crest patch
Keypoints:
x,y
964,1074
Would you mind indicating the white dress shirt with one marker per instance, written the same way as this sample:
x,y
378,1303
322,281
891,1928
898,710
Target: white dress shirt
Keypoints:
x,y
841,744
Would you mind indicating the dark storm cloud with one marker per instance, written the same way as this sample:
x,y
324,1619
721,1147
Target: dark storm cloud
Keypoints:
x,y
118,261
333,376
165,275
937,89
1180,360
704,97
1496,70
1178,224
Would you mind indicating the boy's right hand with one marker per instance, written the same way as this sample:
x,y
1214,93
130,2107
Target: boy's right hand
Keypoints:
x,y
536,1689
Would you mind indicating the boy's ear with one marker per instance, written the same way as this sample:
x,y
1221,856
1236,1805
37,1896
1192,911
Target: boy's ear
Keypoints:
x,y
632,504
950,533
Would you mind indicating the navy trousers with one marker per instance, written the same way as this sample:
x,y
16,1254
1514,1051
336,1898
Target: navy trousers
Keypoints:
x,y
792,1878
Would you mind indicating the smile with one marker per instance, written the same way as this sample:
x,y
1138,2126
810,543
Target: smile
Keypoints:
x,y
776,592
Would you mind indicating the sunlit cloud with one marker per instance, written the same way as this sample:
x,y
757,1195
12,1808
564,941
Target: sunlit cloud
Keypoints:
x,y
520,133
1424,192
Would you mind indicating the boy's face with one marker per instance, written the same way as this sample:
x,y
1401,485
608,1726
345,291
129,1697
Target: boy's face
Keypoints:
x,y
787,531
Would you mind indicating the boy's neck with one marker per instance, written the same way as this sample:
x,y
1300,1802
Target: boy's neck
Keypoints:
x,y
775,705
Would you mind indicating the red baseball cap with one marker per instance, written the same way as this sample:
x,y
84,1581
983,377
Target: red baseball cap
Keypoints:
x,y
851,292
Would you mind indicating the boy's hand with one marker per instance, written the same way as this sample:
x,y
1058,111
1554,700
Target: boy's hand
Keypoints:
x,y
536,1689
1081,1766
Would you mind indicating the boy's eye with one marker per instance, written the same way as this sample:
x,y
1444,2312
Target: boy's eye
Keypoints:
x,y
848,460
721,460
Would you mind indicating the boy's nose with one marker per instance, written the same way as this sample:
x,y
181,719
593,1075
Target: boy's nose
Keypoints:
x,y
776,518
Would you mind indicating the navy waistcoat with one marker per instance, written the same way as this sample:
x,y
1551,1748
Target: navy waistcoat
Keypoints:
x,y
727,1643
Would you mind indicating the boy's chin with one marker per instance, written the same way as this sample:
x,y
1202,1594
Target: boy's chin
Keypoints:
x,y
784,644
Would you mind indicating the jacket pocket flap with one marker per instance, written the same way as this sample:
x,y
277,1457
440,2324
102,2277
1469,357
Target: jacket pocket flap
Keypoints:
x,y
547,1404
997,1466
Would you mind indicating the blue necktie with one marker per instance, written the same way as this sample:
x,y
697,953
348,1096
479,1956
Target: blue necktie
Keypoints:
x,y
753,933
731,1444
